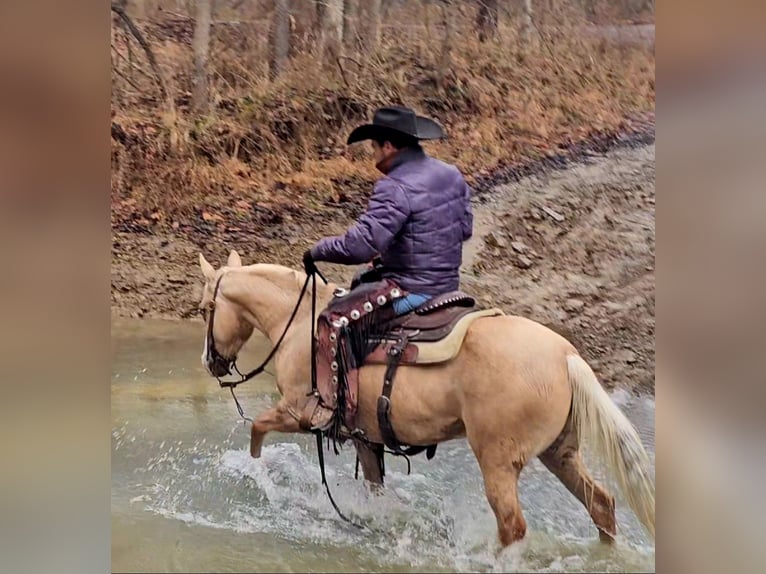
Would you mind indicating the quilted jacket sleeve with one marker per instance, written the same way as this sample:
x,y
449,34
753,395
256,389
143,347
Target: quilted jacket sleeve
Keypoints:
x,y
373,232
468,214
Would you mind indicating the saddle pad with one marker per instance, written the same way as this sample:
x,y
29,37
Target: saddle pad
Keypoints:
x,y
437,351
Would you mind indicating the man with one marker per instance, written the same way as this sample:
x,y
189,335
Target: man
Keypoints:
x,y
418,217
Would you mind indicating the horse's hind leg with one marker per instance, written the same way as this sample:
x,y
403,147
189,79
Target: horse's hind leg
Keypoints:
x,y
501,486
500,467
563,459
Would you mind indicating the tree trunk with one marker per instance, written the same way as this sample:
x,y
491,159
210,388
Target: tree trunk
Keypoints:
x,y
137,9
449,33
372,17
279,38
329,29
350,25
486,20
201,44
526,23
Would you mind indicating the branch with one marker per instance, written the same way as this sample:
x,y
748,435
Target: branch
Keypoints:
x,y
350,58
342,72
119,134
118,9
133,65
127,79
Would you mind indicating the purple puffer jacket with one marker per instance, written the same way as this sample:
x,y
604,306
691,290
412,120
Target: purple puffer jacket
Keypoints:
x,y
417,219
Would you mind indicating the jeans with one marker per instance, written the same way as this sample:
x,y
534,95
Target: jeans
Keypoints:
x,y
409,303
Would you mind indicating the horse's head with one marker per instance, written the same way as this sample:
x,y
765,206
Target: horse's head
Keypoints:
x,y
227,328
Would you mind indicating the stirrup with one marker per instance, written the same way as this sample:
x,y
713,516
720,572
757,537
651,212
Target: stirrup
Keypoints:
x,y
322,418
314,412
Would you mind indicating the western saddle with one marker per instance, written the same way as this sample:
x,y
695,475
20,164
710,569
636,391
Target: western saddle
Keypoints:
x,y
359,327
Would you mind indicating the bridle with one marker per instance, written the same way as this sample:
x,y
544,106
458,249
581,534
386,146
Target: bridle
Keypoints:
x,y
212,352
232,363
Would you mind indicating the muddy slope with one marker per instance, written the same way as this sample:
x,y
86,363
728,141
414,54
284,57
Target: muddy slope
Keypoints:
x,y
571,248
575,250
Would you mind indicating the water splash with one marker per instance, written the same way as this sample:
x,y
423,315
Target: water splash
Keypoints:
x,y
437,518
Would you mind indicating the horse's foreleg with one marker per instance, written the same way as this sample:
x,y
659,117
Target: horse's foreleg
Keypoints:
x,y
274,419
564,461
371,460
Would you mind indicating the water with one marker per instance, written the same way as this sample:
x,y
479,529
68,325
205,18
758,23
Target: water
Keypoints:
x,y
186,496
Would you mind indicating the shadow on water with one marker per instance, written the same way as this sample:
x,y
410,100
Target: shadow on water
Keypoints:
x,y
187,496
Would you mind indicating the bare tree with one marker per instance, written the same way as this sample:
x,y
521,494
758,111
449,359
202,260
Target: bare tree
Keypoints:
x,y
118,7
350,24
526,22
486,20
372,28
449,32
201,45
137,9
279,38
329,28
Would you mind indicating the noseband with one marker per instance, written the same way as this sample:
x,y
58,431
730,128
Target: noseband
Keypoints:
x,y
211,352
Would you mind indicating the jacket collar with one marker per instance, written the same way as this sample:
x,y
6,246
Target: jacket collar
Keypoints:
x,y
403,156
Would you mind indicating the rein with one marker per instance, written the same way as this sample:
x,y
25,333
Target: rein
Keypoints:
x,y
262,367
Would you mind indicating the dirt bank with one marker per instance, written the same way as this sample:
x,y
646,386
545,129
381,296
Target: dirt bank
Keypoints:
x,y
574,250
571,248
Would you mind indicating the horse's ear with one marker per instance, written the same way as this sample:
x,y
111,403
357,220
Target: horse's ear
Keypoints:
x,y
207,270
234,259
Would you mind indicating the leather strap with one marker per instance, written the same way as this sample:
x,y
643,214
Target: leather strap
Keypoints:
x,y
384,405
384,401
308,412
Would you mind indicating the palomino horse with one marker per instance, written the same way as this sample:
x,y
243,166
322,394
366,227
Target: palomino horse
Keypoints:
x,y
516,390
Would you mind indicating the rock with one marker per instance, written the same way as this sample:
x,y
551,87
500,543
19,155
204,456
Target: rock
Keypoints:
x,y
518,246
574,305
554,214
495,241
523,262
626,356
177,280
614,306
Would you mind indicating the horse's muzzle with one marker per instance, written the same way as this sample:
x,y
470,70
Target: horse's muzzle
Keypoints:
x,y
219,366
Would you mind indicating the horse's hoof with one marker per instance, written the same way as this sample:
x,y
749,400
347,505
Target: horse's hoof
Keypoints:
x,y
605,537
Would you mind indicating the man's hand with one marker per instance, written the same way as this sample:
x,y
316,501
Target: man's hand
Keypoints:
x,y
308,263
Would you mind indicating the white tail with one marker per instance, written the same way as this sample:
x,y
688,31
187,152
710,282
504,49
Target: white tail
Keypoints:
x,y
600,424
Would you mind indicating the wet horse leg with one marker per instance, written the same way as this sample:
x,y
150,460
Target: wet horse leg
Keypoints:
x,y
274,419
371,460
563,459
501,487
501,464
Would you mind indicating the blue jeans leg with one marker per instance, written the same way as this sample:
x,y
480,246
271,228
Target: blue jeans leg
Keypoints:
x,y
409,303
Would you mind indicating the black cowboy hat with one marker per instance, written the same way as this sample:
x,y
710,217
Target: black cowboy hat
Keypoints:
x,y
398,120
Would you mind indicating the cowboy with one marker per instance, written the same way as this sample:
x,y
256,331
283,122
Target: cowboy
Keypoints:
x,y
418,217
